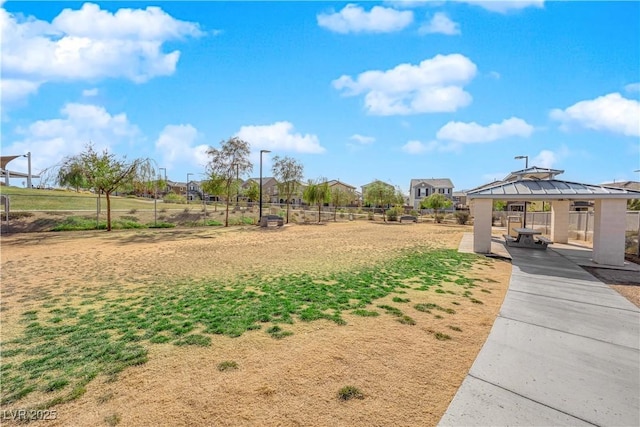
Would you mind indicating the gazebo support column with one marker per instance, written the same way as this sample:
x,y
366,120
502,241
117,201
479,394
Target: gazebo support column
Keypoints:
x,y
560,221
609,231
482,222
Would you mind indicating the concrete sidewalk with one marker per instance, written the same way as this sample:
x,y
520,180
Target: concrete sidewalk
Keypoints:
x,y
564,350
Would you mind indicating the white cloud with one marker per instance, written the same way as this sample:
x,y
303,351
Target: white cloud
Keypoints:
x,y
460,132
632,88
440,23
611,112
364,140
91,43
434,85
15,90
279,136
177,144
51,140
545,159
354,19
90,92
503,6
417,147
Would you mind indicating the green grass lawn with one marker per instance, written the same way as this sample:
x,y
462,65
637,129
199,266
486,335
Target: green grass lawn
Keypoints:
x,y
64,345
24,199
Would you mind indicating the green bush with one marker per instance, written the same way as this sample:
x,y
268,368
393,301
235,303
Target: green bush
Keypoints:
x,y
394,213
462,217
174,198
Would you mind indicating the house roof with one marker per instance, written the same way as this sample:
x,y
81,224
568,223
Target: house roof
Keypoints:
x,y
549,189
336,182
434,182
374,181
534,172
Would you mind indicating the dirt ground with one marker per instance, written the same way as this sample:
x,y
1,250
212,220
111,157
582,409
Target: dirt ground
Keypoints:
x,y
627,283
407,376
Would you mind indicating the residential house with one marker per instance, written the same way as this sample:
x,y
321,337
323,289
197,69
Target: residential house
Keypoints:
x,y
420,189
364,187
334,183
176,187
460,200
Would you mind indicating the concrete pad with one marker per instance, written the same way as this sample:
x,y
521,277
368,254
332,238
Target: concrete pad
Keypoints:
x,y
607,324
591,380
482,404
585,293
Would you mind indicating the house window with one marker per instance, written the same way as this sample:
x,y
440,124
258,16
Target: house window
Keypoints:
x,y
417,192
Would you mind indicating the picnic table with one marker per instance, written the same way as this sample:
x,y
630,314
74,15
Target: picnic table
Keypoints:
x,y
527,238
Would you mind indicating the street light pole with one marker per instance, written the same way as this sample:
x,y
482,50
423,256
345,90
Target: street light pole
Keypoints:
x,y
526,166
261,151
526,160
187,187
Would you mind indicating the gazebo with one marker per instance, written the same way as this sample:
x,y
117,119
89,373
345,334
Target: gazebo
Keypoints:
x,y
539,184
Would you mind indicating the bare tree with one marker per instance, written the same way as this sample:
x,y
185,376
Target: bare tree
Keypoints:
x,y
227,163
288,172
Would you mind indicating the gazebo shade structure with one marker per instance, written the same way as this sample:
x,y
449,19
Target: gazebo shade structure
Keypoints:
x,y
610,211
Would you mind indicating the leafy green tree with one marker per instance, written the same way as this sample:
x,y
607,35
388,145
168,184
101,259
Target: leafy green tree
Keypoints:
x,y
288,172
340,197
317,193
436,202
105,173
252,192
71,174
227,163
383,196
499,205
213,186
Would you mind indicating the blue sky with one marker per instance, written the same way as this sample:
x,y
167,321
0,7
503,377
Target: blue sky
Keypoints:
x,y
355,91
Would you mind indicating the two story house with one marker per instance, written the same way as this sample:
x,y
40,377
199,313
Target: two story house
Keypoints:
x,y
420,189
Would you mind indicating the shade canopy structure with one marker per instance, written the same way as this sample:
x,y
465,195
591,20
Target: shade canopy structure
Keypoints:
x,y
4,172
610,205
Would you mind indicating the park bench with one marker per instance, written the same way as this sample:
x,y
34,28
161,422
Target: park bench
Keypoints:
x,y
408,218
267,220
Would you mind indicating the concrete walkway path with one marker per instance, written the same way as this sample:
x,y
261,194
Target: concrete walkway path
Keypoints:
x,y
564,350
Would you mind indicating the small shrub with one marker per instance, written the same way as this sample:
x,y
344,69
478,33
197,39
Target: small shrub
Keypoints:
x,y
398,299
462,217
133,211
394,213
213,223
425,308
162,225
350,392
227,365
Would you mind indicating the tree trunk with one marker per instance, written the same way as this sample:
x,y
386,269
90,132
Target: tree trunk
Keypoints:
x,y
226,219
384,215
287,211
319,207
108,211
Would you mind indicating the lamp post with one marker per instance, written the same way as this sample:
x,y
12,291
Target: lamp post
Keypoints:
x,y
28,156
526,166
187,188
261,151
526,160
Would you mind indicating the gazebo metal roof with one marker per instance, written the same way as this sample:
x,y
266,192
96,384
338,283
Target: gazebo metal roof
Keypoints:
x,y
550,189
